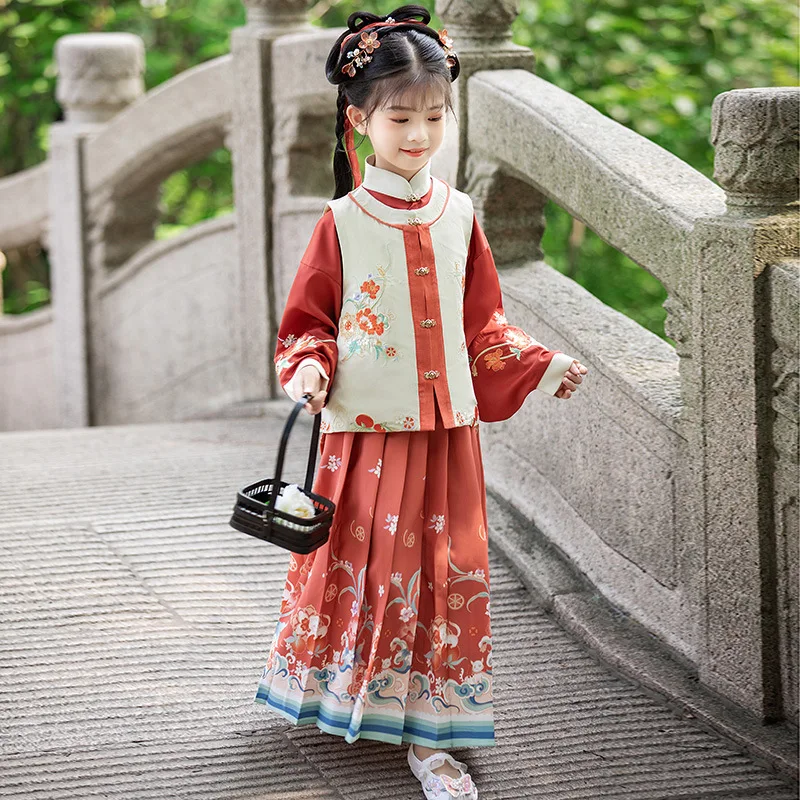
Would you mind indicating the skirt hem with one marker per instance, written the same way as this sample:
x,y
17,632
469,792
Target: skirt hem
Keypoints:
x,y
407,738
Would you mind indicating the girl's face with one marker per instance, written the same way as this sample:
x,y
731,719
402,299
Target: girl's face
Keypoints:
x,y
407,125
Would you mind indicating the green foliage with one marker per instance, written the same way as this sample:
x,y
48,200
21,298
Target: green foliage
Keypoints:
x,y
654,68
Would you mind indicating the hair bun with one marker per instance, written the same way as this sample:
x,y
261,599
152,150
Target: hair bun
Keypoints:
x,y
360,19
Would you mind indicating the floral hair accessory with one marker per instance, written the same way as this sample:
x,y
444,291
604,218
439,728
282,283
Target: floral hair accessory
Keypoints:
x,y
447,44
360,55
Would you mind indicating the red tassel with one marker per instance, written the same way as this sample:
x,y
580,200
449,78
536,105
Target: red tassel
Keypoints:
x,y
351,151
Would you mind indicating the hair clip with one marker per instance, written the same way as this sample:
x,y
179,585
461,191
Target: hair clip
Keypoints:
x,y
367,43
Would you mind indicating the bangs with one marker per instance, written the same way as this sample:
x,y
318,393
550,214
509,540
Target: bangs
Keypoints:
x,y
419,90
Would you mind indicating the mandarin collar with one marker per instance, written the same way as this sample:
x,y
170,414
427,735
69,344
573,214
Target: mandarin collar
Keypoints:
x,y
388,182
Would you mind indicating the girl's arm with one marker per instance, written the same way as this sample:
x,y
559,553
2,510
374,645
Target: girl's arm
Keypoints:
x,y
309,326
506,362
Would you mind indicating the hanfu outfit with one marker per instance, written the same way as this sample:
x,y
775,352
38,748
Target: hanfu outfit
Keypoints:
x,y
384,632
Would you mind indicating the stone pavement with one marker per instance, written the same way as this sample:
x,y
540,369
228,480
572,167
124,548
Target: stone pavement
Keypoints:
x,y
135,624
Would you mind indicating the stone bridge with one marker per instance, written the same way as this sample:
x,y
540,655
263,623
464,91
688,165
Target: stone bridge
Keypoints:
x,y
646,589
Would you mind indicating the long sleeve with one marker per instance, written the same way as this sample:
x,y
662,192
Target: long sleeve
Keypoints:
x,y
309,326
507,363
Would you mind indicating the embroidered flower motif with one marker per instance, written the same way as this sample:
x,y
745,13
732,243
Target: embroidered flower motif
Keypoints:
x,y
368,321
381,590
377,468
289,340
360,328
392,520
409,423
371,288
397,577
334,462
499,318
518,338
437,522
494,360
406,613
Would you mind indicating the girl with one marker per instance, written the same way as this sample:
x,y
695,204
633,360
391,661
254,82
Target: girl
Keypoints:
x,y
395,326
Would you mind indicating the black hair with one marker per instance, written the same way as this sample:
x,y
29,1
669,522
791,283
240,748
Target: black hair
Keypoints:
x,y
410,56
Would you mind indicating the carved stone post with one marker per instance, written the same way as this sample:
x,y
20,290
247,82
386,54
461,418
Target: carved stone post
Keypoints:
x,y
510,211
99,74
755,135
251,137
481,34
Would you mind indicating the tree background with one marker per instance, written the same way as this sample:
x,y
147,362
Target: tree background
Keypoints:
x,y
655,69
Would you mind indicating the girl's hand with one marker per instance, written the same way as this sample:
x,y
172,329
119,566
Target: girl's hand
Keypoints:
x,y
310,381
570,381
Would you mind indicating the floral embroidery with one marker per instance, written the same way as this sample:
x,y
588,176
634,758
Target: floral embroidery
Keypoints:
x,y
377,469
437,521
363,322
334,462
516,340
494,360
392,520
364,421
304,346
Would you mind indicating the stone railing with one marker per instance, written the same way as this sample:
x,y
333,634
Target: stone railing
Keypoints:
x,y
678,496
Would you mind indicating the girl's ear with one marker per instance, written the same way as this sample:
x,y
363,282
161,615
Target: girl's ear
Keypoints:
x,y
356,117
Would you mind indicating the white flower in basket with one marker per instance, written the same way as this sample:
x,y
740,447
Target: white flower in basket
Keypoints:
x,y
293,501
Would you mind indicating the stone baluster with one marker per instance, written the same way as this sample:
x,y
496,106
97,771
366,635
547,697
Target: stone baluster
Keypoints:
x,y
755,135
98,75
510,211
251,139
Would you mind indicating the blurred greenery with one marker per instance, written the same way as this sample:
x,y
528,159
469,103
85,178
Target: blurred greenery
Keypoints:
x,y
655,69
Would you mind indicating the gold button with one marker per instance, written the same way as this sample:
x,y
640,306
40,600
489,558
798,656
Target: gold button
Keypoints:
x,y
421,271
427,323
414,221
413,198
431,374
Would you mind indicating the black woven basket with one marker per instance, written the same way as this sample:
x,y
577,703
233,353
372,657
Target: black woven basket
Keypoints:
x,y
255,512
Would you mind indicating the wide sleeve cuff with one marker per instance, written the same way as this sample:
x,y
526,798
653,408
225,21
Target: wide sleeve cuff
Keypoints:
x,y
554,374
293,387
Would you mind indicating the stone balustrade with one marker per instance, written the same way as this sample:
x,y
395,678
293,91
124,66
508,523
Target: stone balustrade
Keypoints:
x,y
678,499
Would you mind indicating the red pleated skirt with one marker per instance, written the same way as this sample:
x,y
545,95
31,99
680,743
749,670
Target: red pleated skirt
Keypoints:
x,y
384,632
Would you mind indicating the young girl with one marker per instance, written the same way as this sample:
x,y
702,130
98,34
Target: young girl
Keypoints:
x,y
395,325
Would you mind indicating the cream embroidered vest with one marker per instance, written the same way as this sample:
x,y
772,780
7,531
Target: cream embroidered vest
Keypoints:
x,y
401,343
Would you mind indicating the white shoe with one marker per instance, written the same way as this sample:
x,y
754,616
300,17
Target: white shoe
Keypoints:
x,y
440,786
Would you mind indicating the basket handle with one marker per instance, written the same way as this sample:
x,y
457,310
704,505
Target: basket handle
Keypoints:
x,y
312,456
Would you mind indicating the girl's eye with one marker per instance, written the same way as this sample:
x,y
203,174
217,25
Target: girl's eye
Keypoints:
x,y
401,121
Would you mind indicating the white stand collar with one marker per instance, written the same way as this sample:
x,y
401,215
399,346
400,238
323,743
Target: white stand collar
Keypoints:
x,y
388,182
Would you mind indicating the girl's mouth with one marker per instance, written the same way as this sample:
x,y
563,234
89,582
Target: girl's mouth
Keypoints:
x,y
415,152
